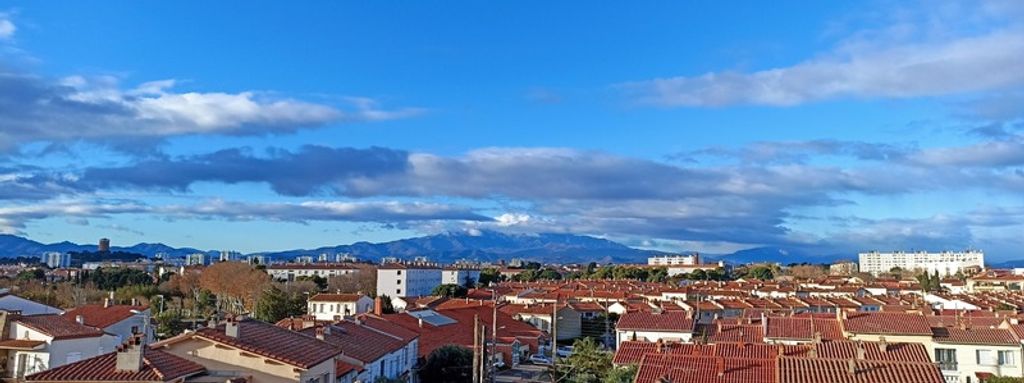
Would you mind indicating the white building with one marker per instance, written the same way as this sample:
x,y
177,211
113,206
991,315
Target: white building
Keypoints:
x,y
290,271
407,280
963,355
40,342
197,259
56,259
123,321
674,259
945,263
459,276
329,307
11,302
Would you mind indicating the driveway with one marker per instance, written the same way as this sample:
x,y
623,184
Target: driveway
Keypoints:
x,y
524,373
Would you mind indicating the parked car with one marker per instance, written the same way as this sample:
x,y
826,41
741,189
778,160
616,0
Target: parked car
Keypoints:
x,y
564,351
540,359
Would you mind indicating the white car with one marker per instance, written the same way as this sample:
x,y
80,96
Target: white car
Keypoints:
x,y
540,359
564,351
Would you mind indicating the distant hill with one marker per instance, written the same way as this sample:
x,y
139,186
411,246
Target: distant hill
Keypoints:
x,y
452,246
14,246
490,246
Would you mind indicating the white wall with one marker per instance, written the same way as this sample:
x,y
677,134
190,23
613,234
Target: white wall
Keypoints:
x,y
409,282
967,361
651,336
27,307
322,310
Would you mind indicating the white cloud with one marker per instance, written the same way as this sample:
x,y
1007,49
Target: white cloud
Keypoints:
x,y
35,109
7,27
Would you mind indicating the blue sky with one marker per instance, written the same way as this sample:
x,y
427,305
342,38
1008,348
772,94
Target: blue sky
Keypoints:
x,y
829,127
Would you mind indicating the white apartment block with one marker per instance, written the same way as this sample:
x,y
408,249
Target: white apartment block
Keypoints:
x,y
674,259
945,263
328,307
459,276
56,259
290,271
407,280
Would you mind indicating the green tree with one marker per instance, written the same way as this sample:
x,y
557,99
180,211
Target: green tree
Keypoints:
x,y
274,304
591,267
448,363
30,275
169,324
760,272
549,274
449,290
321,282
620,375
587,364
489,275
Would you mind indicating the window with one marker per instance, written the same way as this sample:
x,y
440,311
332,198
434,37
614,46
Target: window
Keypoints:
x,y
986,358
946,358
398,291
398,282
399,272
1007,358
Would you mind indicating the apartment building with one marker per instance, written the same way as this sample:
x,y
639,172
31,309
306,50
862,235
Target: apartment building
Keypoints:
x,y
399,280
460,276
944,263
290,271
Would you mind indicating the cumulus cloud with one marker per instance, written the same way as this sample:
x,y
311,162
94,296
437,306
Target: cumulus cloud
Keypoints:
x,y
38,109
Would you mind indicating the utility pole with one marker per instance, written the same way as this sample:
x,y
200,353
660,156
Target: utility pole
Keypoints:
x,y
476,349
554,339
483,353
494,337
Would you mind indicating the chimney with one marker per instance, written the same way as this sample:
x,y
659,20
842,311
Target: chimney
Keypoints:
x,y
378,306
812,352
79,319
231,328
720,366
129,356
851,366
883,346
817,337
320,332
420,320
860,350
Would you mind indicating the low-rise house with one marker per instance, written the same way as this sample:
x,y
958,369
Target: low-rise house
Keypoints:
x,y
123,321
35,343
131,362
569,324
654,326
973,354
12,303
260,352
336,306
375,354
893,327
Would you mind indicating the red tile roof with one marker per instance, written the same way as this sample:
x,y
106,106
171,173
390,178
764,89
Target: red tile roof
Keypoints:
x,y
746,333
895,352
887,323
704,369
59,327
819,370
977,335
101,317
158,366
461,332
674,321
20,344
335,298
300,350
803,328
356,341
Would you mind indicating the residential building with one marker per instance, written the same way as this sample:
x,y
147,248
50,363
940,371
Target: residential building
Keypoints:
x,y
376,354
132,362
460,276
944,263
56,259
674,259
653,326
123,321
328,307
290,271
197,259
569,323
843,268
241,348
13,303
969,354
36,343
407,280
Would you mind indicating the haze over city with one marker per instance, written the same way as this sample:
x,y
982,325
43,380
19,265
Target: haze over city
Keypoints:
x,y
821,127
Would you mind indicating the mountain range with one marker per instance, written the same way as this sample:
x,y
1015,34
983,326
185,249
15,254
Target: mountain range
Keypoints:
x,y
449,247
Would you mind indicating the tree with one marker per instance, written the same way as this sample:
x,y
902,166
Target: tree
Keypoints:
x,y
385,305
275,304
807,271
621,375
448,363
32,274
237,285
549,274
449,290
362,281
489,275
321,282
169,324
587,364
760,272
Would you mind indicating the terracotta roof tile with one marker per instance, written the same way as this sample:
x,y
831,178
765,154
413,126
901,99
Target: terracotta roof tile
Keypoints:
x,y
977,335
818,370
273,342
887,323
677,321
704,369
335,297
59,327
158,366
357,341
101,317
